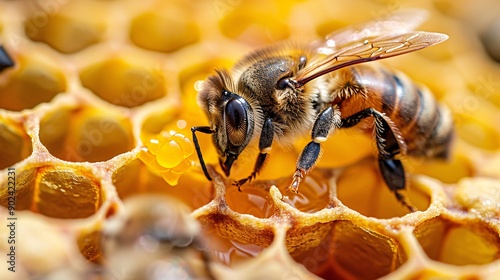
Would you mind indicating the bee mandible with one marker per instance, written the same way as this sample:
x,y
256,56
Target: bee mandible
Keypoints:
x,y
282,92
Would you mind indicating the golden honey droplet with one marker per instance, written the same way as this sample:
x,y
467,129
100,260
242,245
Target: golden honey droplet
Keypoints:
x,y
153,144
170,177
150,160
170,154
185,143
146,156
182,167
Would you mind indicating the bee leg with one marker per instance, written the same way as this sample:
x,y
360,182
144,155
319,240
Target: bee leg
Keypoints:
x,y
265,143
394,176
389,143
206,130
324,124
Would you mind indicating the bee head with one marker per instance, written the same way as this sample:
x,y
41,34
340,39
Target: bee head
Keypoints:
x,y
231,117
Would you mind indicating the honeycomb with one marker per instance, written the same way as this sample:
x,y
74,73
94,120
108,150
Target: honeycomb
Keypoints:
x,y
97,99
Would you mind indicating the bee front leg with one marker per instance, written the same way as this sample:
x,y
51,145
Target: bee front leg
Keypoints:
x,y
389,143
265,143
206,130
324,124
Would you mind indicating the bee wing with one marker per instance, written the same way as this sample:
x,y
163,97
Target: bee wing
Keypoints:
x,y
369,49
396,23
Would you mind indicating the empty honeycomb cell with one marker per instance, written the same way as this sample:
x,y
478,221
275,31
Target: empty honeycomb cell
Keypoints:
x,y
86,134
364,253
458,242
136,178
244,22
66,26
35,80
164,29
361,188
353,252
15,144
140,81
59,192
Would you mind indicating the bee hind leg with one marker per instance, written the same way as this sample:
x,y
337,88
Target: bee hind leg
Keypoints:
x,y
389,143
394,176
324,124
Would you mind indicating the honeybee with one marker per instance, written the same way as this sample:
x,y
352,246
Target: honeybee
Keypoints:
x,y
155,238
281,92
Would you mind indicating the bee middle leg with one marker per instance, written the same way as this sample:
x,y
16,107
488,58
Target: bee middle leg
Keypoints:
x,y
389,143
265,143
324,124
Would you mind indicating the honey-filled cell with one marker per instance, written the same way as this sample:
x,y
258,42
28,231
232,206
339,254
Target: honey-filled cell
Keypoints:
x,y
86,134
59,192
458,243
35,80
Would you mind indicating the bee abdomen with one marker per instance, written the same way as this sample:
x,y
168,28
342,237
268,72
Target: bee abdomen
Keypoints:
x,y
426,126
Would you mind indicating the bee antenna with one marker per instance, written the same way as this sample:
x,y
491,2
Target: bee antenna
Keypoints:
x,y
206,130
294,84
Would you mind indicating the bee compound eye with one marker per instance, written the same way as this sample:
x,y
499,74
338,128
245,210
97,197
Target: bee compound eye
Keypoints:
x,y
235,113
236,118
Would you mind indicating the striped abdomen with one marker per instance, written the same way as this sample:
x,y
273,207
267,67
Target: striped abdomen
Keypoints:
x,y
426,126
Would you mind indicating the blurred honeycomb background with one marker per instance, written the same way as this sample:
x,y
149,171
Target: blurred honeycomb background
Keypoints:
x,y
95,119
